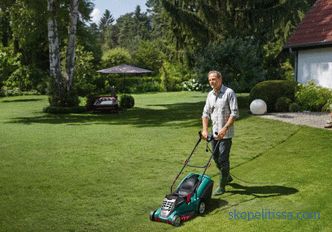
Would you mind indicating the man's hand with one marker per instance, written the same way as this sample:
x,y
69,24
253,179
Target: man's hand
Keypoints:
x,y
221,133
205,134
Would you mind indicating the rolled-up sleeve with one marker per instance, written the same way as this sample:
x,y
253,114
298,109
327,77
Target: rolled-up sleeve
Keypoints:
x,y
233,105
206,109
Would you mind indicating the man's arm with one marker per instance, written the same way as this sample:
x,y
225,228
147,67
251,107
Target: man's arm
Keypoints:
x,y
233,116
223,130
205,130
205,119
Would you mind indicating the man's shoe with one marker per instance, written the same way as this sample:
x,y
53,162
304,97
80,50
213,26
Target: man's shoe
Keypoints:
x,y
219,191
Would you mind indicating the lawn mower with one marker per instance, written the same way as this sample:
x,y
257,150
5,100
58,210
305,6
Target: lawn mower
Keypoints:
x,y
191,195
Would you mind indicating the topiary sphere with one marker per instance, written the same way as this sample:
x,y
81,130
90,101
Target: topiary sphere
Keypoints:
x,y
258,106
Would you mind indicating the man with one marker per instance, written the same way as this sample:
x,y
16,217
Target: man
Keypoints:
x,y
221,107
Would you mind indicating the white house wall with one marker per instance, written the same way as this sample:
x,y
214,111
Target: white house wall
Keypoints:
x,y
315,64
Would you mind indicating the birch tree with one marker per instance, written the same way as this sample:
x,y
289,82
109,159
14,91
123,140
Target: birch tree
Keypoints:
x,y
54,49
62,88
70,55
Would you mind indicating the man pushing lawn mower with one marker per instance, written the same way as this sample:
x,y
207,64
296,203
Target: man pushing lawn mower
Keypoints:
x,y
222,108
195,190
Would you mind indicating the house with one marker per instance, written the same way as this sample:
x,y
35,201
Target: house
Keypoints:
x,y
312,44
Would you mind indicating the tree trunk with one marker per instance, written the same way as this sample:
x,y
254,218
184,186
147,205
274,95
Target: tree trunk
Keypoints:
x,y
61,89
70,54
54,51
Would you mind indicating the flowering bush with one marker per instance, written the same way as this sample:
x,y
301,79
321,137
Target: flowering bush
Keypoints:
x,y
192,85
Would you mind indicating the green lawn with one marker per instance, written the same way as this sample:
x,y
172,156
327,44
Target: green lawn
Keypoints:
x,y
90,172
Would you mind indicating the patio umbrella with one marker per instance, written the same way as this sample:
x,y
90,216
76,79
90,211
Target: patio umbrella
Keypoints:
x,y
124,69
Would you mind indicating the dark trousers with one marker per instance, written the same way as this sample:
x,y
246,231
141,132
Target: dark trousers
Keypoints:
x,y
221,158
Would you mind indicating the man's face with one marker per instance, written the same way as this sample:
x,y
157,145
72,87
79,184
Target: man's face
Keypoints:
x,y
214,81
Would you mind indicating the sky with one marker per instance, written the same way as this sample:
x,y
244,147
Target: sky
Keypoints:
x,y
116,7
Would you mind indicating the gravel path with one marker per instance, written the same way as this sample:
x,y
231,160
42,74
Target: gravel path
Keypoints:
x,y
312,119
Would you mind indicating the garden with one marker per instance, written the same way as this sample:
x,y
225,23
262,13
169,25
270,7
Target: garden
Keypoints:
x,y
82,150
106,172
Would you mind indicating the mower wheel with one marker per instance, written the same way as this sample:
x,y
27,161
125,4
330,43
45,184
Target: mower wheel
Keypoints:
x,y
152,215
201,207
176,221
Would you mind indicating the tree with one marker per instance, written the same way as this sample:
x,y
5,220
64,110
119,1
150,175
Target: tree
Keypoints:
x,y
131,28
105,28
29,34
196,24
213,20
62,94
5,30
70,56
54,49
116,56
24,38
238,59
106,21
149,55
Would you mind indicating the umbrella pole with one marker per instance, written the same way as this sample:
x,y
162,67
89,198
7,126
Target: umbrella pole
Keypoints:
x,y
123,83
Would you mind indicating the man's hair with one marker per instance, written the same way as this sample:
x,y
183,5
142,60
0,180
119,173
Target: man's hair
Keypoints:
x,y
218,74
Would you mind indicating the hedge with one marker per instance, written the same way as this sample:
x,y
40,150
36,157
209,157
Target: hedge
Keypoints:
x,y
271,90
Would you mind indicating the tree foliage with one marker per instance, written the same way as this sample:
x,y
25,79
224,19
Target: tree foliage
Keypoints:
x,y
24,32
116,56
149,55
196,24
178,40
105,28
238,59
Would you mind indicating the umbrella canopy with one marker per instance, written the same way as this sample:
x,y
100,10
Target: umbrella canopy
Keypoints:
x,y
125,69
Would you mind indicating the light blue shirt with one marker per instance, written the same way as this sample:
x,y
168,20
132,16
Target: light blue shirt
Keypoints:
x,y
219,107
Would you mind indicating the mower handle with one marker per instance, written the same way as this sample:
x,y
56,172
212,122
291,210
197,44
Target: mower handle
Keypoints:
x,y
210,136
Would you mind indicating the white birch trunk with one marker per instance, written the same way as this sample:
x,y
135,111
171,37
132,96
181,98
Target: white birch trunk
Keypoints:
x,y
70,54
53,41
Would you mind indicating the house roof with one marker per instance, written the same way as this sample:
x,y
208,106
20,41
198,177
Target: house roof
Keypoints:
x,y
315,29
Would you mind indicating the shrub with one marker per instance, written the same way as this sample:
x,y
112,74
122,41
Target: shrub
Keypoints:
x,y
20,78
7,92
27,78
135,84
294,107
9,62
172,75
282,104
271,90
243,100
146,86
13,74
63,98
127,101
312,97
